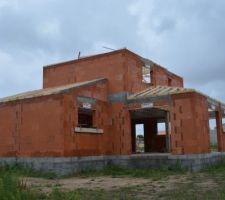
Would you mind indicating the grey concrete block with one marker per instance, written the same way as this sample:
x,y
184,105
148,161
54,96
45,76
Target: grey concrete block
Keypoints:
x,y
66,165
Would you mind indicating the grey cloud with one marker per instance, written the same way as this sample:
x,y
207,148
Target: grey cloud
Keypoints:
x,y
79,24
185,36
193,46
165,25
35,33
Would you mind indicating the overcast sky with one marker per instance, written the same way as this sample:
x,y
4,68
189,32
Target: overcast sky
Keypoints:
x,y
185,36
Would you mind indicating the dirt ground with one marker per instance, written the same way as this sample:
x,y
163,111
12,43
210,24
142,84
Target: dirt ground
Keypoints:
x,y
143,188
109,183
106,183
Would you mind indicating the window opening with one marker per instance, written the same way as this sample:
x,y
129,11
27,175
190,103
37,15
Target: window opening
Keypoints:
x,y
85,118
146,74
161,128
169,82
223,124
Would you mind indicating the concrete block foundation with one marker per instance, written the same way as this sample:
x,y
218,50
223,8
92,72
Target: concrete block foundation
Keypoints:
x,y
68,165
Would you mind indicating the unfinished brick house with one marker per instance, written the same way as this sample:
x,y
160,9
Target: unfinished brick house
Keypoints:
x,y
91,106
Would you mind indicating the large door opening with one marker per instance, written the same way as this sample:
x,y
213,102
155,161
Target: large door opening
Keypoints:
x,y
150,131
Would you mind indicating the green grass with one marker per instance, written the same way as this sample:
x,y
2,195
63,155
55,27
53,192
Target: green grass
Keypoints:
x,y
96,194
214,175
112,170
215,169
195,186
11,188
188,192
205,185
116,171
18,170
214,147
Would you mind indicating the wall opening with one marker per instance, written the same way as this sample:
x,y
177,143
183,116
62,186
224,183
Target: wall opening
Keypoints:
x,y
161,128
223,123
146,74
169,82
85,118
213,131
149,134
139,135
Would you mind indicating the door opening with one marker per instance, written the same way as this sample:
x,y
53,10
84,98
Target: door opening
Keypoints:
x,y
149,131
139,136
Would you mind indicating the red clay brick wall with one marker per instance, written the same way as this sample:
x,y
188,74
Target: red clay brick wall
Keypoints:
x,y
8,130
120,129
112,118
81,144
111,67
161,77
44,126
134,74
77,144
123,70
31,127
189,124
153,142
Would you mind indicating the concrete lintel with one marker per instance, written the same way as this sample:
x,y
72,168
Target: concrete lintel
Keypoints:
x,y
88,130
86,99
118,97
150,99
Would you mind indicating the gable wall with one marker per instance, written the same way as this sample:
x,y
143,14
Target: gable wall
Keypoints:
x,y
31,127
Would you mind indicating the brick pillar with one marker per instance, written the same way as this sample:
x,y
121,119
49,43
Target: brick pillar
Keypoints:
x,y
150,130
220,137
189,124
